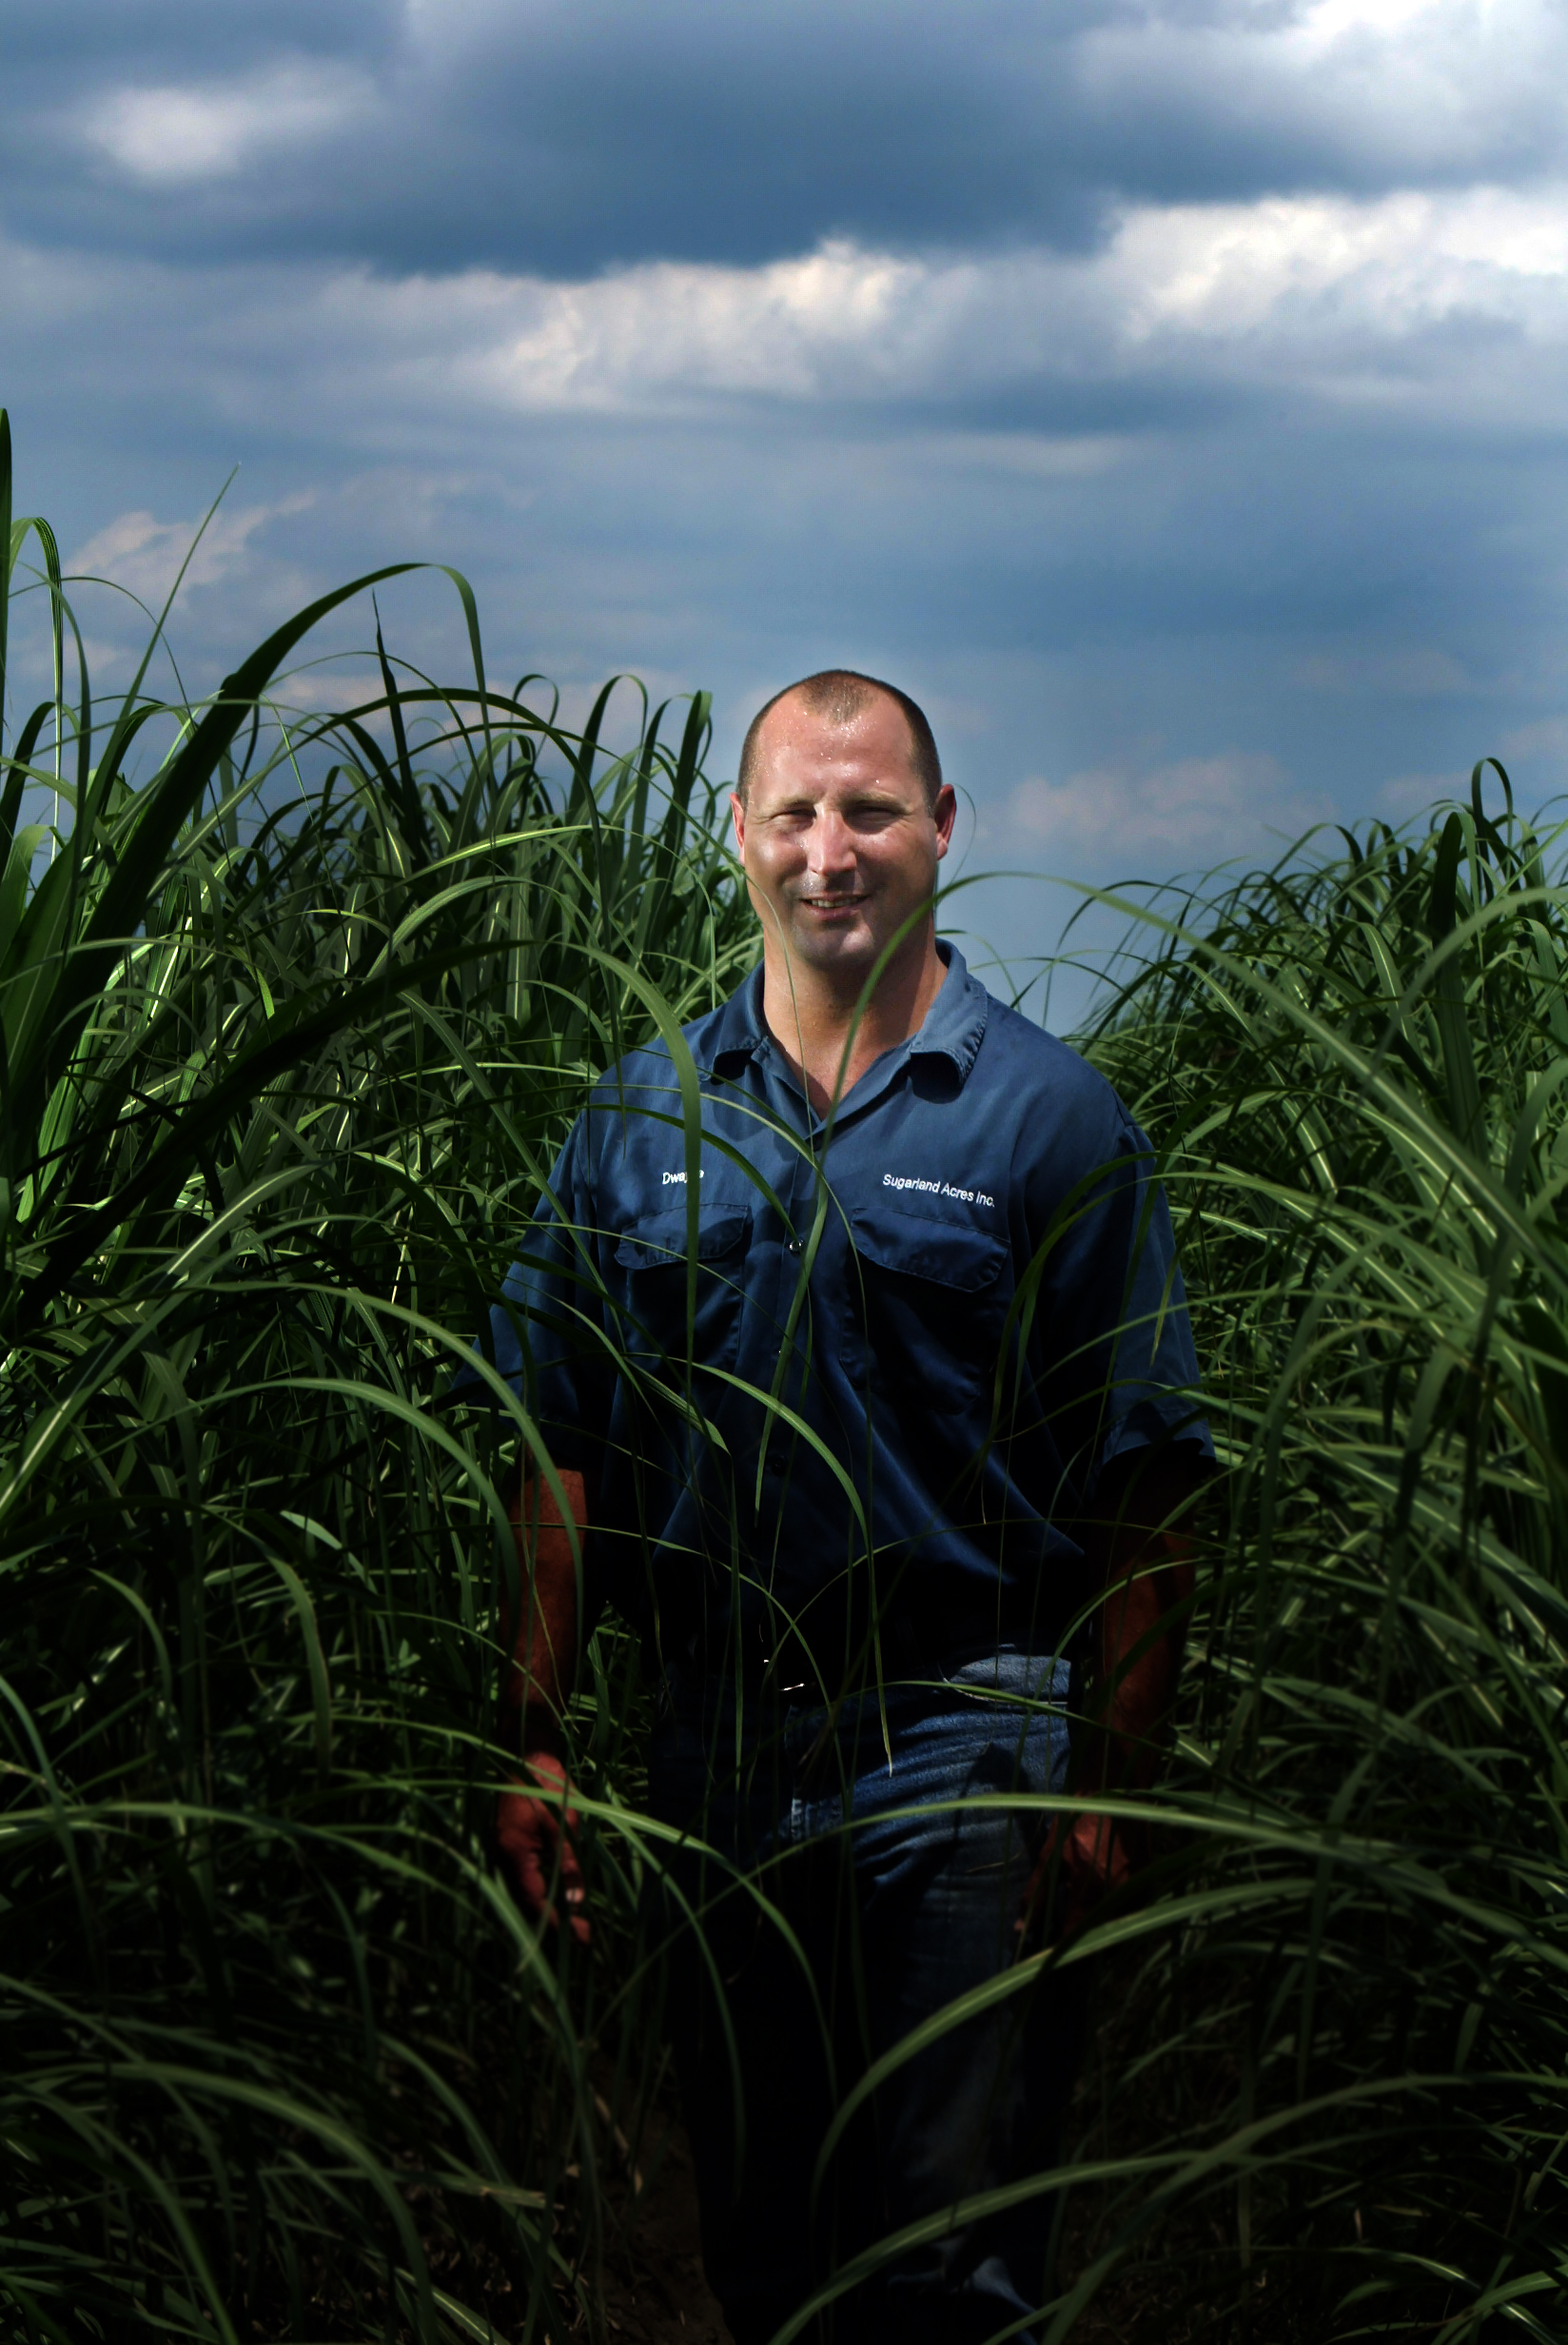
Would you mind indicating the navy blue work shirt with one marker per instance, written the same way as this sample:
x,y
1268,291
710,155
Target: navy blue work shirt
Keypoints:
x,y
907,1341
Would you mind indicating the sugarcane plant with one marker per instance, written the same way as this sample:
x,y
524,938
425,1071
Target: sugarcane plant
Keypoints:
x,y
294,1011
1343,2054
295,1007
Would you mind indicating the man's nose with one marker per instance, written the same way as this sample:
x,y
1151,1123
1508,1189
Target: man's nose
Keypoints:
x,y
832,843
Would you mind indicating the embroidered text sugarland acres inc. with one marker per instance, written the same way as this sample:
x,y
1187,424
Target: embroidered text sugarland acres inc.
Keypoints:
x,y
936,1189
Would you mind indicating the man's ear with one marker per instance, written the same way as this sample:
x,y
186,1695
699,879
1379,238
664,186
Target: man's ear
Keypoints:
x,y
945,814
737,815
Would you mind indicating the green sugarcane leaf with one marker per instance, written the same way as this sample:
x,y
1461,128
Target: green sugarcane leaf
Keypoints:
x,y
1464,1100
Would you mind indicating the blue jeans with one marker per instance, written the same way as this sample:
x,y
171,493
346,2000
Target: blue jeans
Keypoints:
x,y
900,1897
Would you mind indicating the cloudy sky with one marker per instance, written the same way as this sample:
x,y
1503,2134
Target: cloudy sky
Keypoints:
x,y
1173,396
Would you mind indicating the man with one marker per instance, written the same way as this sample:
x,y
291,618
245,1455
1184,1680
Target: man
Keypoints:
x,y
854,1329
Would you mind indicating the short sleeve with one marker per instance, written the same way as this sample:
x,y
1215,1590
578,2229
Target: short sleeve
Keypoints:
x,y
546,1332
1115,1362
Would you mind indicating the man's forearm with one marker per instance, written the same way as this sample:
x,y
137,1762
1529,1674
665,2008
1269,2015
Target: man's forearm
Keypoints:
x,y
536,1822
1141,1632
540,1676
1147,1583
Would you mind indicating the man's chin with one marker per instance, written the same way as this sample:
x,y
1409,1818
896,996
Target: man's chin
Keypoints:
x,y
845,950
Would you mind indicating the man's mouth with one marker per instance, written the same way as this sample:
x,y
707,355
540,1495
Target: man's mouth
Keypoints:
x,y
830,903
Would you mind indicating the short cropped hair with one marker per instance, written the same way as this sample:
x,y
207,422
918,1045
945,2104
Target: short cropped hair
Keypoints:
x,y
839,694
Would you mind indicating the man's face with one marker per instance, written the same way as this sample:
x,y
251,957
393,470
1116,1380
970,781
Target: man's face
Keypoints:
x,y
838,843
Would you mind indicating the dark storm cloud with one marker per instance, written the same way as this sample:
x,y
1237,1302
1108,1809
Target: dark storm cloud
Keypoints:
x,y
99,43
1170,394
563,136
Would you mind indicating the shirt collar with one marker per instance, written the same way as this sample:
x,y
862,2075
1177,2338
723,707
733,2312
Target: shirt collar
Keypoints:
x,y
741,1030
957,1019
953,1024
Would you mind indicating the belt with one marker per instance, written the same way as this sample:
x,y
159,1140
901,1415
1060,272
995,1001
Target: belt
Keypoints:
x,y
916,1636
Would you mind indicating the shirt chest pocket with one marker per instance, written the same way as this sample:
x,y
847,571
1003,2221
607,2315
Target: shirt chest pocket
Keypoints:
x,y
662,1326
926,1305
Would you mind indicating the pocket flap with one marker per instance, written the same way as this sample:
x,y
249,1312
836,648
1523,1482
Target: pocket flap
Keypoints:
x,y
953,1253
658,1240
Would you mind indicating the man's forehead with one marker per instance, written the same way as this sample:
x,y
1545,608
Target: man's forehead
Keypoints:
x,y
802,743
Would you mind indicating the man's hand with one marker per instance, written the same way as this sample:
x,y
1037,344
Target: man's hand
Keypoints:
x,y
534,1838
1093,1855
1148,1583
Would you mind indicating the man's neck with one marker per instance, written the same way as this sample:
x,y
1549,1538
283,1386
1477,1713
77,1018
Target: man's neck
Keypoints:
x,y
814,1024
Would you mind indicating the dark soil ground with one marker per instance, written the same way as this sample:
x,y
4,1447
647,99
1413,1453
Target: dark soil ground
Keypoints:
x,y
1176,2286
654,2293
654,2289
1169,2292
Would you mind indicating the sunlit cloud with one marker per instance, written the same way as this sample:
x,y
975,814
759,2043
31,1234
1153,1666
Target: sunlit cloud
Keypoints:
x,y
143,555
1188,810
182,134
1351,301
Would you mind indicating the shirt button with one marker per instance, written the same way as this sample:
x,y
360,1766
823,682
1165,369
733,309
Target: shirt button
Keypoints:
x,y
794,1245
